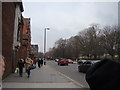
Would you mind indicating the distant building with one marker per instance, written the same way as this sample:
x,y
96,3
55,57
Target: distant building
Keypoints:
x,y
34,49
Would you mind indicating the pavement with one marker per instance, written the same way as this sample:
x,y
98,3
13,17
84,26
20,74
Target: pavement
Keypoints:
x,y
44,77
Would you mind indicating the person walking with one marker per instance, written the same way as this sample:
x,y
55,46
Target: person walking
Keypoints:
x,y
39,62
44,62
20,66
29,63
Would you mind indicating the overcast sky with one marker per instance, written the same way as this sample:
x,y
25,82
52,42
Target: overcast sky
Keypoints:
x,y
66,19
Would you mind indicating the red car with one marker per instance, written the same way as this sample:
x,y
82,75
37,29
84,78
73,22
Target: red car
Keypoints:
x,y
70,61
63,62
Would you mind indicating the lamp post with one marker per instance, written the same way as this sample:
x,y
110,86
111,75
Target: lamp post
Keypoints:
x,y
45,45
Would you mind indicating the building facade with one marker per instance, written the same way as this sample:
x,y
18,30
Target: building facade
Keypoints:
x,y
11,26
34,52
34,49
26,38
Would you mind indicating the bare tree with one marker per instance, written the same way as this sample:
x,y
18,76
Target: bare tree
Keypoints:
x,y
108,40
89,41
116,36
92,42
61,45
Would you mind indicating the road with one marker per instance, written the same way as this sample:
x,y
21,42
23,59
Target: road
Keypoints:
x,y
70,72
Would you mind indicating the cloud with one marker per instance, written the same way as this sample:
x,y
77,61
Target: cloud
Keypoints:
x,y
66,19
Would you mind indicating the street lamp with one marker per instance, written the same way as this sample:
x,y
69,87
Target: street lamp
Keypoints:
x,y
45,44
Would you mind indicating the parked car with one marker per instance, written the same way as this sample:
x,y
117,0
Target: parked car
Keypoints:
x,y
70,61
56,60
86,65
63,62
80,61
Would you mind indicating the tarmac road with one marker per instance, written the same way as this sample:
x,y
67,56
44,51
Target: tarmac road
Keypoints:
x,y
70,72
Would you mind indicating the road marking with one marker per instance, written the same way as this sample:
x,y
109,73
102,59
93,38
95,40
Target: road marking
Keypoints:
x,y
75,82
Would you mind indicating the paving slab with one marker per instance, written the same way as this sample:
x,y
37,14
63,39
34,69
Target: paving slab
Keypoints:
x,y
44,77
39,85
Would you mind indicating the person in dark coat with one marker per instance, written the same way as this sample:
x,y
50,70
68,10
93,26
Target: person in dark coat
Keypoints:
x,y
44,62
104,74
20,66
39,62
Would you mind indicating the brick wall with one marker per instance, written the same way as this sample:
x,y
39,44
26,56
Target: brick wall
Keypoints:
x,y
8,16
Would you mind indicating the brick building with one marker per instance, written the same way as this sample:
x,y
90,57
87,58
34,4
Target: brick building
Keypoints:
x,y
28,33
26,38
11,29
34,52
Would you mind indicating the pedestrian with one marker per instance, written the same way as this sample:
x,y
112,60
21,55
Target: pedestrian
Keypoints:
x,y
36,60
44,62
20,65
39,62
29,63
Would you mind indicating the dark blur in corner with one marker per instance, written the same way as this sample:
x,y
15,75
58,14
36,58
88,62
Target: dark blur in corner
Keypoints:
x,y
104,74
